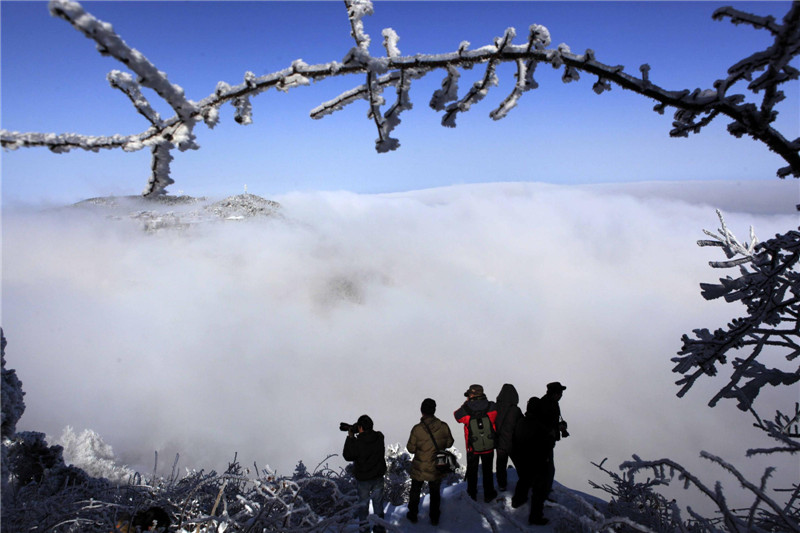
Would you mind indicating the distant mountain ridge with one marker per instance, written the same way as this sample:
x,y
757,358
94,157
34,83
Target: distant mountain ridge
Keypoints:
x,y
177,212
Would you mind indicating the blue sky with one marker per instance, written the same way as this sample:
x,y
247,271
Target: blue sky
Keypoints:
x,y
53,80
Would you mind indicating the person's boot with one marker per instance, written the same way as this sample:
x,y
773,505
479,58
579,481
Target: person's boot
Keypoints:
x,y
538,521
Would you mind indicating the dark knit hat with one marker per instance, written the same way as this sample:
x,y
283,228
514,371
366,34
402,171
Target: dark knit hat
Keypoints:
x,y
428,407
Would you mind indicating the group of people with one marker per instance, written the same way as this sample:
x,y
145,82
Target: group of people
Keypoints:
x,y
491,429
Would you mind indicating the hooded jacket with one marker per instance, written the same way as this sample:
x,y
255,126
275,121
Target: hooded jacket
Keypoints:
x,y
421,445
477,404
508,414
367,452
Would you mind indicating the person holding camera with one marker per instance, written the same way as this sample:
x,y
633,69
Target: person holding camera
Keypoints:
x,y
427,437
478,415
365,448
554,424
532,455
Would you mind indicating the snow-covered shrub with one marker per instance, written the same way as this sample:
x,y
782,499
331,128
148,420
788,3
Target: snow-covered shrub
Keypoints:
x,y
638,501
30,457
397,479
324,490
11,390
12,406
87,451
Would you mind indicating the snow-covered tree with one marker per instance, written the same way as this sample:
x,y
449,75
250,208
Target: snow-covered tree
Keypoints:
x,y
768,337
12,402
87,451
694,109
768,286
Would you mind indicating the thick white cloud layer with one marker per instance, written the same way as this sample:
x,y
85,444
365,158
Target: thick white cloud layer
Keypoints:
x,y
260,336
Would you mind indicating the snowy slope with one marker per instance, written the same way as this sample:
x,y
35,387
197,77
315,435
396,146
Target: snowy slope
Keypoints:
x,y
460,514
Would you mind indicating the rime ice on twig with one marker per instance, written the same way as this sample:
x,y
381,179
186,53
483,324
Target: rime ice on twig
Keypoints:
x,y
764,514
109,43
725,239
769,286
694,109
125,83
159,178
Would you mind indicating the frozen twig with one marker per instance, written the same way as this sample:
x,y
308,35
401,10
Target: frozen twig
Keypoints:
x,y
694,110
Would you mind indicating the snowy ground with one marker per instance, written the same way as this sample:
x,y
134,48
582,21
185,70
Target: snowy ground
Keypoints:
x,y
460,514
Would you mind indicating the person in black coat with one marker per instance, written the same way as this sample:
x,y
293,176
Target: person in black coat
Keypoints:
x,y
508,414
555,426
533,445
367,452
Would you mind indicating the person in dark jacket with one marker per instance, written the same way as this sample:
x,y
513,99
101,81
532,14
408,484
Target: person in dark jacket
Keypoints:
x,y
554,424
474,407
533,450
421,443
366,450
508,413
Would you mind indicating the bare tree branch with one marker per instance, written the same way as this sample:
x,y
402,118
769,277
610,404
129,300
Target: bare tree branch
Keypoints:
x,y
694,109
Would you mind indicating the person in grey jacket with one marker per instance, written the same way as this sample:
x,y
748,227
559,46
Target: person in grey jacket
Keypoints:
x,y
423,469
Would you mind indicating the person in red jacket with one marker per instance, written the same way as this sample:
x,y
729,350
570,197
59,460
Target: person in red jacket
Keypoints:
x,y
480,448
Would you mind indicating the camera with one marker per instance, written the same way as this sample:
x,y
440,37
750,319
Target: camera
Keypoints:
x,y
344,426
562,427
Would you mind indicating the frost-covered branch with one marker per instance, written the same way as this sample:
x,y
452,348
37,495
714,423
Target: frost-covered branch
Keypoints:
x,y
764,509
639,501
694,109
784,429
125,83
725,239
109,43
769,287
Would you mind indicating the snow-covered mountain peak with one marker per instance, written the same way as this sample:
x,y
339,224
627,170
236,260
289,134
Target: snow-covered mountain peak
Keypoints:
x,y
179,212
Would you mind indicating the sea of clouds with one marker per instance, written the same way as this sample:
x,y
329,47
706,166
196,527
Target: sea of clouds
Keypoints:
x,y
257,337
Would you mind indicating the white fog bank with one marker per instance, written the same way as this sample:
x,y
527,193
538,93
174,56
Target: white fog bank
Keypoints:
x,y
259,336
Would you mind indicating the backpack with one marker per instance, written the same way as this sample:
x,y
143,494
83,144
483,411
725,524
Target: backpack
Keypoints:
x,y
481,433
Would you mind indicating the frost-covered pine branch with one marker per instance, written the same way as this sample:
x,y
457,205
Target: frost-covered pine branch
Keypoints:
x,y
694,109
764,509
640,502
725,239
768,286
